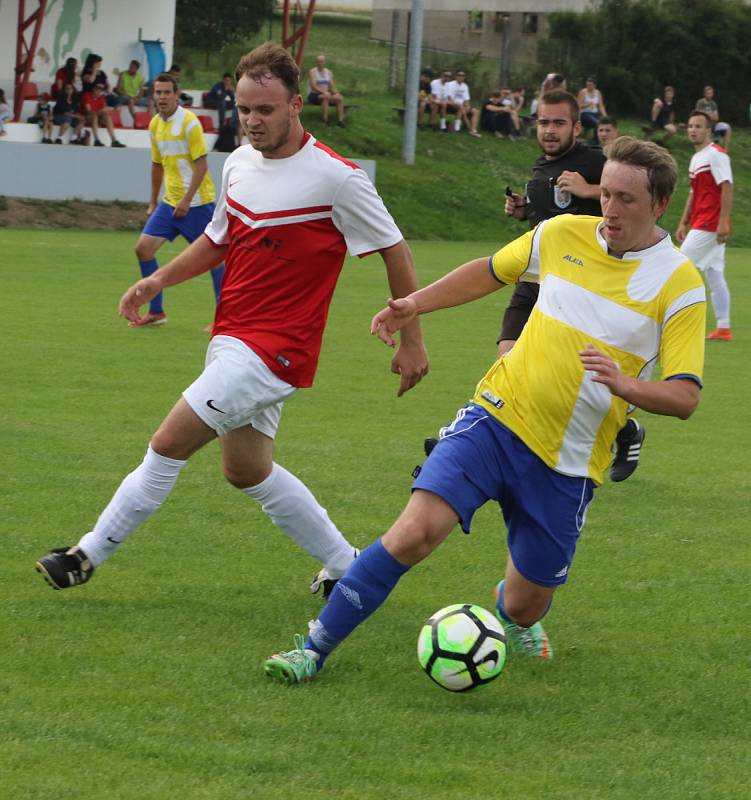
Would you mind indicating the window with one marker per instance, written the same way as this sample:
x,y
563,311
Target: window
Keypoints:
x,y
529,23
474,21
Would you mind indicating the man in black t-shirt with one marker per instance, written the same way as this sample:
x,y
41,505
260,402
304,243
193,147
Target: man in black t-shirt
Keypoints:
x,y
565,180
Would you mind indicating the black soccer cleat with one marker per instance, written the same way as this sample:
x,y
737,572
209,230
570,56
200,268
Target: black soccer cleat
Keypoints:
x,y
324,581
628,444
65,567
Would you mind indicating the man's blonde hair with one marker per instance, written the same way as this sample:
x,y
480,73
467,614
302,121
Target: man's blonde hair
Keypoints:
x,y
662,171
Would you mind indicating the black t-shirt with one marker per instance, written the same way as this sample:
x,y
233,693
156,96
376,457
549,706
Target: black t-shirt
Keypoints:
x,y
545,201
663,117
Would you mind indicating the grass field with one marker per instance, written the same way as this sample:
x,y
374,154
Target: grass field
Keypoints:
x,y
147,683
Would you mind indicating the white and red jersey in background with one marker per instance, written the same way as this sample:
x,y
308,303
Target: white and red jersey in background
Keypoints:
x,y
708,169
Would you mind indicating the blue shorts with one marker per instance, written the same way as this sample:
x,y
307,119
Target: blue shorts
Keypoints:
x,y
163,224
479,459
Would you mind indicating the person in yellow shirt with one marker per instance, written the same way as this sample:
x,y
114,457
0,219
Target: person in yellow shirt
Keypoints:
x,y
178,156
615,297
129,89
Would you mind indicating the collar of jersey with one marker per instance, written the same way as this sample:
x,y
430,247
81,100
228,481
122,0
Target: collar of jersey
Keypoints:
x,y
630,255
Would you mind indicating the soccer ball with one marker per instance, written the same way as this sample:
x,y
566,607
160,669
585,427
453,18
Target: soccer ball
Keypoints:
x,y
462,646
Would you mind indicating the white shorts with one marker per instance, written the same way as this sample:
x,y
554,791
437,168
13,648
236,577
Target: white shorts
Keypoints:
x,y
704,250
236,388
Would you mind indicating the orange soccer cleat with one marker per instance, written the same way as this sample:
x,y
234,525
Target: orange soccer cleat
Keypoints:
x,y
721,335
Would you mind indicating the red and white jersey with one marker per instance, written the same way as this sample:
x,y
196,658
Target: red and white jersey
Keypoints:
x,y
708,169
289,223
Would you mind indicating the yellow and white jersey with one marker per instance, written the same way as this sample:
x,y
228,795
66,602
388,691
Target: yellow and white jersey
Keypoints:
x,y
646,306
176,143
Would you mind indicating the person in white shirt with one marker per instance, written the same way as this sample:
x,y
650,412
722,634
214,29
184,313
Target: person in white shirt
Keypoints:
x,y
459,94
322,91
439,99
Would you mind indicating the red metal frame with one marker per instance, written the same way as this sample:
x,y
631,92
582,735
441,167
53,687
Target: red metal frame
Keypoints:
x,y
26,50
295,42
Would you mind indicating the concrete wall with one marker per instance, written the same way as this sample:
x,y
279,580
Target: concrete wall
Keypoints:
x,y
48,172
78,27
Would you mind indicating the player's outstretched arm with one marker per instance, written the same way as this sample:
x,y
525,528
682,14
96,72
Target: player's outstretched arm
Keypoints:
x,y
196,259
673,398
466,283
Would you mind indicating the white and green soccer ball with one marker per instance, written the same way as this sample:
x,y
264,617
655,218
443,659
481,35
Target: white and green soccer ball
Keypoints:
x,y
462,646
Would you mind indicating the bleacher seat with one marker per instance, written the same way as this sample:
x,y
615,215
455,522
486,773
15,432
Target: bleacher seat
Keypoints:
x,y
207,123
117,120
141,120
30,91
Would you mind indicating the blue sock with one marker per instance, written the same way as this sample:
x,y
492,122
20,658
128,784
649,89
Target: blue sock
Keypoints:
x,y
367,583
149,268
216,278
502,609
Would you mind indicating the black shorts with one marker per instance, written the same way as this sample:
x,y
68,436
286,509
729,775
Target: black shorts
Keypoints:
x,y
314,98
519,308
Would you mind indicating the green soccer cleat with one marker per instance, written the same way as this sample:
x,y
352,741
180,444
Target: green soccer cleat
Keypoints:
x,y
532,642
294,666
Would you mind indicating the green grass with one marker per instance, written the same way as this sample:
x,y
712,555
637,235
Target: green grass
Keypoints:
x,y
147,683
455,189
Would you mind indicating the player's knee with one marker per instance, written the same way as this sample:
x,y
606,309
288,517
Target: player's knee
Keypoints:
x,y
144,251
243,476
167,444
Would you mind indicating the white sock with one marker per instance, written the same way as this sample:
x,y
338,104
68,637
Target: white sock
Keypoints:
x,y
720,296
457,124
137,498
443,123
292,507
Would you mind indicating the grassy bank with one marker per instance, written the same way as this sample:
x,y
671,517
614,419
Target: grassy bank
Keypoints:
x,y
455,188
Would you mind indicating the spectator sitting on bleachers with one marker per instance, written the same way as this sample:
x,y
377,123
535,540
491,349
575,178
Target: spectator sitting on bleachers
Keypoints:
x,y
322,91
43,117
185,100
707,105
221,97
65,114
66,74
95,113
92,73
129,89
5,113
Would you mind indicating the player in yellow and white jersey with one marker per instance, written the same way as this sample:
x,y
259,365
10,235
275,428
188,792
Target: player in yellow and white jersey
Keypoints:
x,y
615,297
178,156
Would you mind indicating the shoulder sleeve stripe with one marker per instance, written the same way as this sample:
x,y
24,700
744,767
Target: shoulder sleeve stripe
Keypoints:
x,y
490,267
686,376
689,298
532,272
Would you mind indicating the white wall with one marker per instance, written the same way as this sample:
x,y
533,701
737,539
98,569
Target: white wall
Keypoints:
x,y
77,27
46,172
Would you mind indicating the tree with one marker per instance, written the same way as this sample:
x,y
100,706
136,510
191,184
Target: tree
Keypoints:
x,y
635,47
211,26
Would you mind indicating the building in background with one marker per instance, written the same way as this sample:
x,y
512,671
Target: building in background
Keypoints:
x,y
79,27
475,26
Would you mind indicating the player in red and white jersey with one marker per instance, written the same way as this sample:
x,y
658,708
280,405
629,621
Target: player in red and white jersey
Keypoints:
x,y
707,211
290,209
